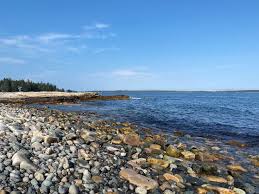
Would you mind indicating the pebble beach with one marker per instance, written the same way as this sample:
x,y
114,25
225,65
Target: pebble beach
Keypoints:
x,y
50,151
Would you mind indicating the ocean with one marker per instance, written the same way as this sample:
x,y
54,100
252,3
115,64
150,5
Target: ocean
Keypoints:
x,y
220,115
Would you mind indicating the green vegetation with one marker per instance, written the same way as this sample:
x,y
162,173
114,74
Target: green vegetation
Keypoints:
x,y
9,85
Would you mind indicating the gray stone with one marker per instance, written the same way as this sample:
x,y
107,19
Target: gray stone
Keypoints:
x,y
73,189
86,176
21,158
37,146
62,189
140,190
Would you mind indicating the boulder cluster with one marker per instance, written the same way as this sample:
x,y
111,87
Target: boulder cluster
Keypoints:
x,y
49,151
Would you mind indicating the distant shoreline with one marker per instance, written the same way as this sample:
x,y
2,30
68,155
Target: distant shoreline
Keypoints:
x,y
177,91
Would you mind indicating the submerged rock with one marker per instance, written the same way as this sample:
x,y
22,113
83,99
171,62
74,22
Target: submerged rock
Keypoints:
x,y
236,167
172,151
209,188
159,162
188,155
132,139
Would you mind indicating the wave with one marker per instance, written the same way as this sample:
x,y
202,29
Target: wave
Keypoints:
x,y
135,98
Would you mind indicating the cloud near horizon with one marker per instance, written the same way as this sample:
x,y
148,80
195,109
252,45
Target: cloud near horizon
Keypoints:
x,y
11,61
125,74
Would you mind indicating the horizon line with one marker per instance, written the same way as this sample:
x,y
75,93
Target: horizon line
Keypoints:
x,y
156,90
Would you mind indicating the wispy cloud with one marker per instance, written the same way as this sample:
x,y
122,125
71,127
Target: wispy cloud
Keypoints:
x,y
129,73
101,25
101,50
11,61
46,38
125,74
54,41
96,26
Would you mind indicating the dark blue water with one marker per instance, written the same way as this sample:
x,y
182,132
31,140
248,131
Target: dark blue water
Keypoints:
x,y
226,115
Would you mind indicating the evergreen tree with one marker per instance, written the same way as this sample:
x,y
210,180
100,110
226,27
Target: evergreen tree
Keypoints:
x,y
9,85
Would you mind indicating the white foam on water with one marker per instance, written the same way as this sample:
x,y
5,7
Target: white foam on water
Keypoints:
x,y
135,98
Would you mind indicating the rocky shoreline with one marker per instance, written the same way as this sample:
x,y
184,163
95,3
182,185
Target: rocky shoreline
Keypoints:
x,y
49,151
54,97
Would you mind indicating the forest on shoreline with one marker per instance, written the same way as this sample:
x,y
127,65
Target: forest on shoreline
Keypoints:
x,y
10,85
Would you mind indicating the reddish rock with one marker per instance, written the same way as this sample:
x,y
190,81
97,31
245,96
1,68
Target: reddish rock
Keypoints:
x,y
132,139
171,177
236,143
215,179
205,157
209,188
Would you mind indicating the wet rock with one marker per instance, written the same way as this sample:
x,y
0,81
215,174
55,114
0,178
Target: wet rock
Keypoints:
x,y
249,188
165,186
159,162
209,188
172,151
132,139
179,133
188,155
236,143
155,147
236,167
138,180
85,135
255,160
171,177
205,157
116,140
239,191
137,162
215,179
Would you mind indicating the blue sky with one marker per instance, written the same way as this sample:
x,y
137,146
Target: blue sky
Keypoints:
x,y
109,45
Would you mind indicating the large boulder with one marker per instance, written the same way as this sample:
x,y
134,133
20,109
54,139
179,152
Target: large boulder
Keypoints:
x,y
138,180
20,158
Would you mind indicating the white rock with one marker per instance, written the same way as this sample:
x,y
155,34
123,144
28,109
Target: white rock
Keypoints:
x,y
140,190
39,176
73,190
239,191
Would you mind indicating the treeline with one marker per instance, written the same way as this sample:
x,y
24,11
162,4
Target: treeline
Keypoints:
x,y
9,85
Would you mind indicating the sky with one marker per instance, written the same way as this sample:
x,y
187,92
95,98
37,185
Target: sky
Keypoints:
x,y
132,45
